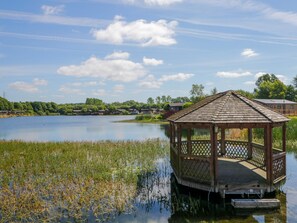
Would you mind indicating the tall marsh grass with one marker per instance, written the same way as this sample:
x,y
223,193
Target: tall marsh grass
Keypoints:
x,y
72,180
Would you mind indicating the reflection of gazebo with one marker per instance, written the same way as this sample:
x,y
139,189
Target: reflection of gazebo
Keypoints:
x,y
227,166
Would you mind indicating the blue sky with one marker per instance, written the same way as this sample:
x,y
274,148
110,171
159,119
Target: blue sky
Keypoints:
x,y
68,50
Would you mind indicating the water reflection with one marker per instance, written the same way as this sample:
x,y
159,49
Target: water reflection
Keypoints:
x,y
161,199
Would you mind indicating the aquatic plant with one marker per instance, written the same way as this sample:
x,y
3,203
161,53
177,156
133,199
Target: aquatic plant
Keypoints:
x,y
72,180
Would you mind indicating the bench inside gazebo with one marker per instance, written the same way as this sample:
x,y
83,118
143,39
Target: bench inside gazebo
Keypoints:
x,y
221,165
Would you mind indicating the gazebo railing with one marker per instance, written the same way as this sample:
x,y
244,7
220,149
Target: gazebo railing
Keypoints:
x,y
278,166
194,160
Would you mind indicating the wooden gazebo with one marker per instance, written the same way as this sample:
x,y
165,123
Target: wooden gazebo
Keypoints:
x,y
221,165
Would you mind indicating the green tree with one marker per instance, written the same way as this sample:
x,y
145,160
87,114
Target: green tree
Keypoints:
x,y
266,78
291,93
213,91
295,81
197,92
187,104
150,101
269,86
246,94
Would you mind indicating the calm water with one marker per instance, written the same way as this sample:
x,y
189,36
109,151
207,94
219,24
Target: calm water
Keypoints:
x,y
159,199
76,128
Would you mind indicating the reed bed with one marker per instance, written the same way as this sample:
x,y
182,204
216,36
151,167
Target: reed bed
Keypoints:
x,y
71,181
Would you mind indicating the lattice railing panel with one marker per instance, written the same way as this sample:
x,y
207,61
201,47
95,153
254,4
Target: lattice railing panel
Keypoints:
x,y
197,170
236,149
184,148
279,166
258,156
174,160
201,148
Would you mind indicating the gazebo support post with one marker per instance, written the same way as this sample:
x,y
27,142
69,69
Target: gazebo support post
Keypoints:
x,y
189,142
214,172
284,130
268,147
250,141
179,135
223,145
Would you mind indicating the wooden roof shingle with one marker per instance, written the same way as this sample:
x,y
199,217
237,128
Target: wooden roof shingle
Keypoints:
x,y
227,107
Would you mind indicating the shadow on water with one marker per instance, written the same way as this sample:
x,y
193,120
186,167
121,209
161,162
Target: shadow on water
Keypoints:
x,y
161,199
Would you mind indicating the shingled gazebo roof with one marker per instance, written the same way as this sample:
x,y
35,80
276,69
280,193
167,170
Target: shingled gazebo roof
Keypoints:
x,y
227,107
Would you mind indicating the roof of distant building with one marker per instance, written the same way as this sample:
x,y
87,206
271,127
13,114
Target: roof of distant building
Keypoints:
x,y
275,101
179,104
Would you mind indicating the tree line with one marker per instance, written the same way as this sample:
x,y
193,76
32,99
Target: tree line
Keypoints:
x,y
268,86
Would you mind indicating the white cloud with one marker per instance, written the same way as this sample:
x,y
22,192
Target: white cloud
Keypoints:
x,y
233,74
39,82
118,88
176,77
249,53
28,87
282,78
23,86
100,92
161,2
83,84
52,10
116,70
259,74
118,55
152,61
150,82
140,31
52,19
67,90
153,2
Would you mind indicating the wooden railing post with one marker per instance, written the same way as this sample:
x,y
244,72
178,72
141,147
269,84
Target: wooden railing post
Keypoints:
x,y
269,154
250,143
179,135
189,142
213,141
223,145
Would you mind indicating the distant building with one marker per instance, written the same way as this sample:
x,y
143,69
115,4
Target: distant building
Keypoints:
x,y
176,106
282,106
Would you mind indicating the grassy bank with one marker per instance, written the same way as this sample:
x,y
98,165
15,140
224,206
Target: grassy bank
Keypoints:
x,y
56,181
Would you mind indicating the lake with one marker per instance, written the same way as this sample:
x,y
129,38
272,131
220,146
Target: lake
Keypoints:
x,y
159,199
77,128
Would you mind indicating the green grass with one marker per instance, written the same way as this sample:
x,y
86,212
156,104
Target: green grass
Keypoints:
x,y
42,181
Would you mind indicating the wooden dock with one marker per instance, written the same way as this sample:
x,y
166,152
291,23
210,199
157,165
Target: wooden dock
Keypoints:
x,y
255,203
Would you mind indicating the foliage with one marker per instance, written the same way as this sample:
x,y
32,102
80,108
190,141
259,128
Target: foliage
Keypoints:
x,y
187,104
68,181
213,91
246,94
197,92
295,81
269,86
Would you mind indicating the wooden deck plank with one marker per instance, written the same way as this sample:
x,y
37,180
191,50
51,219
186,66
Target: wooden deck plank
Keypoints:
x,y
255,203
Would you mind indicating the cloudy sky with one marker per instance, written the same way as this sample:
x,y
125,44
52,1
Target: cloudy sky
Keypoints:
x,y
68,50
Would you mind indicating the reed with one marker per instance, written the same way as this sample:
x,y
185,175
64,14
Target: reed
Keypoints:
x,y
72,180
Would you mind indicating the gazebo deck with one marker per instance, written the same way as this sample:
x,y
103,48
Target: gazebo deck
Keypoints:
x,y
236,174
